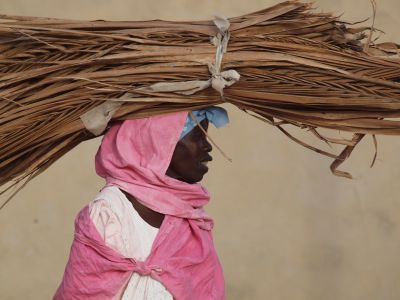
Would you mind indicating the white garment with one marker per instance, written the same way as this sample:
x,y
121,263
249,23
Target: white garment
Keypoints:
x,y
126,232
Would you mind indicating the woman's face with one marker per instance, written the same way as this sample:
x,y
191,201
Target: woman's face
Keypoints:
x,y
191,155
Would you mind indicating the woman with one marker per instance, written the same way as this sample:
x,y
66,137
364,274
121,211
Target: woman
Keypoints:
x,y
146,235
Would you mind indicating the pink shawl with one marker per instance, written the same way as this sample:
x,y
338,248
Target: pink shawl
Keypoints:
x,y
134,155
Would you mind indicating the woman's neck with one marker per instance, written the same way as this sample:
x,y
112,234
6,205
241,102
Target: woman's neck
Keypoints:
x,y
151,217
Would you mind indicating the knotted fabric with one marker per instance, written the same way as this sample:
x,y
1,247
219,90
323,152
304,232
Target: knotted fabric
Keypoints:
x,y
135,155
215,115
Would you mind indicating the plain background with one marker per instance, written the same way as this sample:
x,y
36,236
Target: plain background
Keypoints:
x,y
286,229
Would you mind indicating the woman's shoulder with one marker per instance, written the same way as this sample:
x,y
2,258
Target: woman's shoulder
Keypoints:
x,y
119,224
110,200
108,193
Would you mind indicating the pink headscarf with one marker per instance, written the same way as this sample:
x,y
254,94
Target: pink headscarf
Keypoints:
x,y
134,155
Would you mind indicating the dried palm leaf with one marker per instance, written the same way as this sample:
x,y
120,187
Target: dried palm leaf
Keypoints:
x,y
297,67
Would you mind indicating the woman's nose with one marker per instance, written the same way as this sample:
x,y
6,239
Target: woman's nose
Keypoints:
x,y
207,145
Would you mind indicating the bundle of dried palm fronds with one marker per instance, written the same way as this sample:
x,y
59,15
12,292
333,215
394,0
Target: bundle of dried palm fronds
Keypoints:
x,y
297,67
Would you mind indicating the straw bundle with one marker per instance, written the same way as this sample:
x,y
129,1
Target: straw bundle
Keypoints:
x,y
296,67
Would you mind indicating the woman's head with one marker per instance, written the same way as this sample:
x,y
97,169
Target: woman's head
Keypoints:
x,y
158,149
191,155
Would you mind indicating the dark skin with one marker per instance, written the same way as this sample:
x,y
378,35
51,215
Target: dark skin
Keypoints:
x,y
188,164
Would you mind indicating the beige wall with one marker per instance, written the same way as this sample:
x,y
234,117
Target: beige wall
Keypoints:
x,y
286,229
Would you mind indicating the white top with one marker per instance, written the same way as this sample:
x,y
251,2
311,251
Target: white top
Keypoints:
x,y
126,232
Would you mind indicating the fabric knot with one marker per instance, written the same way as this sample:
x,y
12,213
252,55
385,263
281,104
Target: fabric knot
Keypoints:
x,y
205,225
144,270
214,114
219,79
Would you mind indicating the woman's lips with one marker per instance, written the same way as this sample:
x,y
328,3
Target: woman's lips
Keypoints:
x,y
206,158
204,162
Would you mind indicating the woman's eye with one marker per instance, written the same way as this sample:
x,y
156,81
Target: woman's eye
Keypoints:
x,y
201,135
197,132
